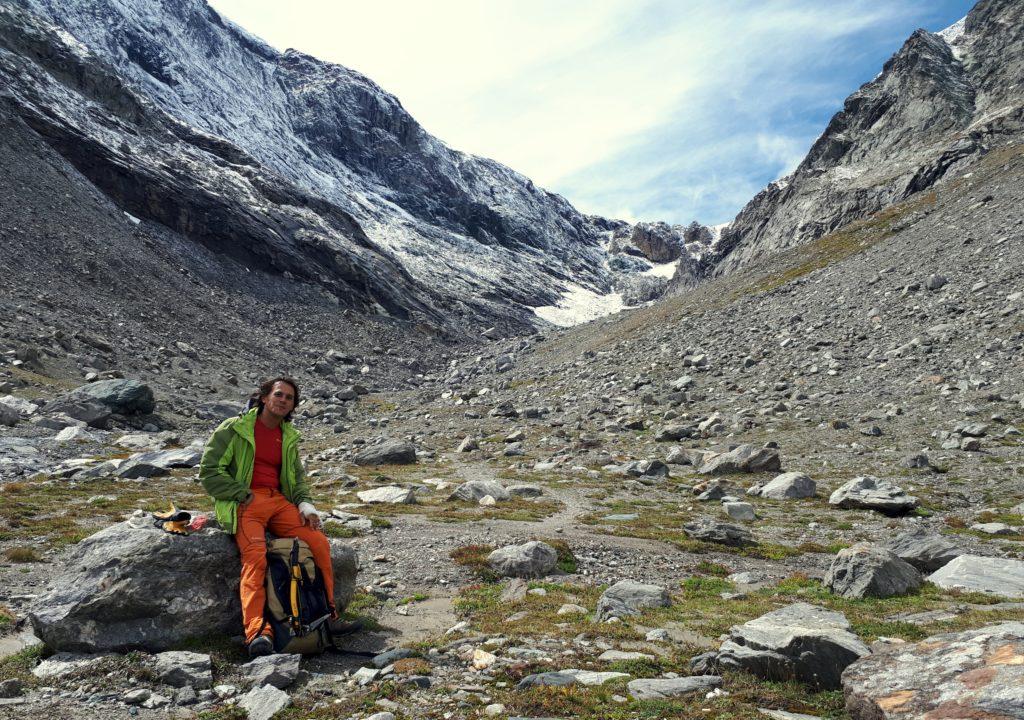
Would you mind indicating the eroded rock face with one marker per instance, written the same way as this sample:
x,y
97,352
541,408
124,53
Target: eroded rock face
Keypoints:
x,y
475,490
628,597
126,397
141,588
799,641
389,452
976,674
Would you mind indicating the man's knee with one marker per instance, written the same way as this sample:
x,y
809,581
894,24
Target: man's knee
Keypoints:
x,y
254,561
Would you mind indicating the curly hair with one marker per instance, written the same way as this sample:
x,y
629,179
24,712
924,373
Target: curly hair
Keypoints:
x,y
257,397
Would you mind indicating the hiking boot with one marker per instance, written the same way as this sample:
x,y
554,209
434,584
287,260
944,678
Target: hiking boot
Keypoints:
x,y
261,646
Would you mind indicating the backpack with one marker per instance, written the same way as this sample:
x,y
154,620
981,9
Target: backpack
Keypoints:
x,y
297,609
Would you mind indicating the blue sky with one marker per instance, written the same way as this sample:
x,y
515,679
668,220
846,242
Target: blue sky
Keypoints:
x,y
672,110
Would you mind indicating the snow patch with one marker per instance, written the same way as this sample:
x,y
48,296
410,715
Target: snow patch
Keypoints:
x,y
580,305
954,33
665,270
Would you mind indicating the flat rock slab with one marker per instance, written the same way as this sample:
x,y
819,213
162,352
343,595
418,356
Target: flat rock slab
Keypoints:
x,y
262,703
628,597
865,570
389,495
800,641
662,688
744,459
977,674
997,576
870,493
533,559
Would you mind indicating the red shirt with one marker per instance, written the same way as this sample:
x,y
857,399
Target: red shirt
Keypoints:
x,y
266,470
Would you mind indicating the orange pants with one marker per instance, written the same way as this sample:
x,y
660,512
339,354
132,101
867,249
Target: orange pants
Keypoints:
x,y
269,510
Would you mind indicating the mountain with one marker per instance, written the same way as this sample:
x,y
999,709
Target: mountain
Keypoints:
x,y
941,102
484,239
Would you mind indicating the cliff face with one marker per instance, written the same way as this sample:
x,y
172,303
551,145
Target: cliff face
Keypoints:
x,y
940,102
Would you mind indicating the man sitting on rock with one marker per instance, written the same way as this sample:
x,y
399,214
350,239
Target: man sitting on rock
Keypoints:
x,y
251,467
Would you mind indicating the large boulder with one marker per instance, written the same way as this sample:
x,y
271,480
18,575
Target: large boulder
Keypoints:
x,y
125,397
997,576
628,597
789,486
744,459
973,674
132,587
63,411
870,493
389,452
533,559
924,549
8,415
800,641
476,490
865,570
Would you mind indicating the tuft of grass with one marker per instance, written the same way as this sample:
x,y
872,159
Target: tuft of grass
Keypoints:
x,y
412,666
339,531
22,555
566,560
415,597
706,567
474,557
19,665
6,617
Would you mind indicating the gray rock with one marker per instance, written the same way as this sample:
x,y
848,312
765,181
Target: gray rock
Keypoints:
x,y
127,588
262,703
64,663
136,697
744,459
9,416
11,688
563,678
157,463
994,528
475,490
935,282
387,658
789,486
628,597
389,452
718,532
525,490
870,493
740,511
468,444
530,560
64,411
998,576
124,397
977,673
277,670
799,641
180,668
389,495
924,549
662,688
864,570
218,409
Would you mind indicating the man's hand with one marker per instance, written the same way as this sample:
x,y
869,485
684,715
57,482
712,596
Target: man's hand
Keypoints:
x,y
310,516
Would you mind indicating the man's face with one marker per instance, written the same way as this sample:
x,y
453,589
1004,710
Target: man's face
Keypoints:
x,y
281,399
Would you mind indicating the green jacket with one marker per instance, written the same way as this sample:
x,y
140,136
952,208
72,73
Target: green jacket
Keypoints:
x,y
226,467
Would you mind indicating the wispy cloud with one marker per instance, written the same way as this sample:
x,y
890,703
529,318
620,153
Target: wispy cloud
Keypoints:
x,y
656,110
